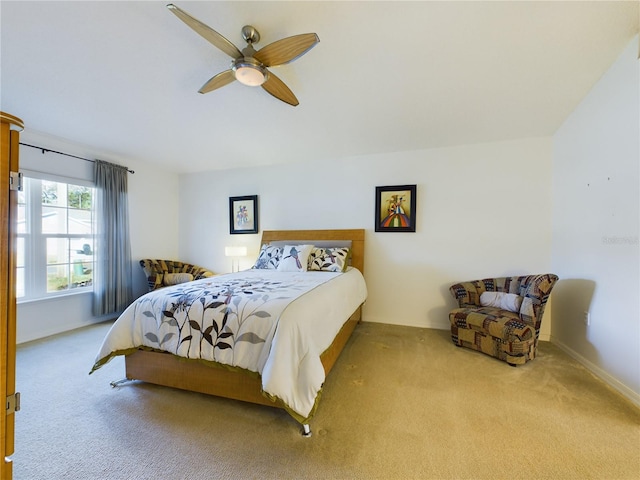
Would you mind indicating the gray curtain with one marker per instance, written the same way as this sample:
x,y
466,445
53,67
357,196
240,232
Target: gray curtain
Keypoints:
x,y
112,289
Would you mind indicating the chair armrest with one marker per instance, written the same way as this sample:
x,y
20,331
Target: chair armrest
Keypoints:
x,y
535,298
202,273
155,281
197,271
466,293
153,272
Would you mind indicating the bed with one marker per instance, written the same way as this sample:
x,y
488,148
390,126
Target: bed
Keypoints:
x,y
267,381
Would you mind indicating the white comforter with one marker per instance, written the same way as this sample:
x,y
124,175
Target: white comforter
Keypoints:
x,y
274,323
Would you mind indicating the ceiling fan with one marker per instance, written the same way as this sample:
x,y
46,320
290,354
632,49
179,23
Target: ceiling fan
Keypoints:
x,y
249,66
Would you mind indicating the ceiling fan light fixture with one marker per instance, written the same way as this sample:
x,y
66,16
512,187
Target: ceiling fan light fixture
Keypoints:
x,y
249,66
249,73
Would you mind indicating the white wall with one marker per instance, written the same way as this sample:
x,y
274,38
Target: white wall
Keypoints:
x,y
482,210
153,210
596,223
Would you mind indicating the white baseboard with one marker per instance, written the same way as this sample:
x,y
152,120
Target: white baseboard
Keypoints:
x,y
613,382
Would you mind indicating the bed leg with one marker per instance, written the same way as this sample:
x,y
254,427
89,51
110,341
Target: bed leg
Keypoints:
x,y
117,383
306,430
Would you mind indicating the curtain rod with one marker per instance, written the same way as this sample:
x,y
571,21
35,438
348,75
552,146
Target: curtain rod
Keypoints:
x,y
46,150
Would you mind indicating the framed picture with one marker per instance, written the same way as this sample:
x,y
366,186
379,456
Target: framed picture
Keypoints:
x,y
396,208
243,214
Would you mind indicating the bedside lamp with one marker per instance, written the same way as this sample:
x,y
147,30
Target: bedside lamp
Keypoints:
x,y
235,253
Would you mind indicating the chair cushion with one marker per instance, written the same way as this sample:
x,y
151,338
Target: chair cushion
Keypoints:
x,y
492,321
502,300
176,278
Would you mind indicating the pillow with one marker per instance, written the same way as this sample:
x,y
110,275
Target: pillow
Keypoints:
x,y
504,301
329,259
269,257
295,258
176,278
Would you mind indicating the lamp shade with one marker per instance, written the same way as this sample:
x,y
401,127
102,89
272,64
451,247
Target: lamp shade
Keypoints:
x,y
235,251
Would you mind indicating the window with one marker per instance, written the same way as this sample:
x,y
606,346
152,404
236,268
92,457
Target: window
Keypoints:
x,y
55,238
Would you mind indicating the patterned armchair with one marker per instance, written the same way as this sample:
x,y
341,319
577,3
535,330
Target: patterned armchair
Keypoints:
x,y
161,273
509,335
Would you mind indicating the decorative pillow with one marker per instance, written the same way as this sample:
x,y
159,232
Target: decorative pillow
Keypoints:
x,y
176,278
295,258
329,259
504,301
269,257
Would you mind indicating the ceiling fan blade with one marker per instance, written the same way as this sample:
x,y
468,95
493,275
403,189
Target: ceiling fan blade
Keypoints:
x,y
217,81
206,32
278,89
286,50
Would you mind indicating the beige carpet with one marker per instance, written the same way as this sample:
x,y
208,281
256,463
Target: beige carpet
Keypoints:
x,y
401,403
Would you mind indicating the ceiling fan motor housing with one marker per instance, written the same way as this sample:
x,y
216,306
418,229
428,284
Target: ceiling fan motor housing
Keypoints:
x,y
250,34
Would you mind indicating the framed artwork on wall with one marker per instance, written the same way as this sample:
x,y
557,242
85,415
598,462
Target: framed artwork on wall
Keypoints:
x,y
396,208
243,214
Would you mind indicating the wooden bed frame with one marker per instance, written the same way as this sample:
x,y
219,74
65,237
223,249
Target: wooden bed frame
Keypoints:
x,y
171,371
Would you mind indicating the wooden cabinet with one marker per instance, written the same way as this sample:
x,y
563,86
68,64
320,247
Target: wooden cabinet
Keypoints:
x,y
9,145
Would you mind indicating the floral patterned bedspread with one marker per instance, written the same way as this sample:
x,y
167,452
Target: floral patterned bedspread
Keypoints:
x,y
238,319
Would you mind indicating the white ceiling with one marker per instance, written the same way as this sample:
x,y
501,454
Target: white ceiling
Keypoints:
x,y
386,76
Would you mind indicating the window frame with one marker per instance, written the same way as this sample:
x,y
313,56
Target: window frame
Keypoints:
x,y
34,261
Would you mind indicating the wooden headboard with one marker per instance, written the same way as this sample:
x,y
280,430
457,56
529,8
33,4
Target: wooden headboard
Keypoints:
x,y
356,236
